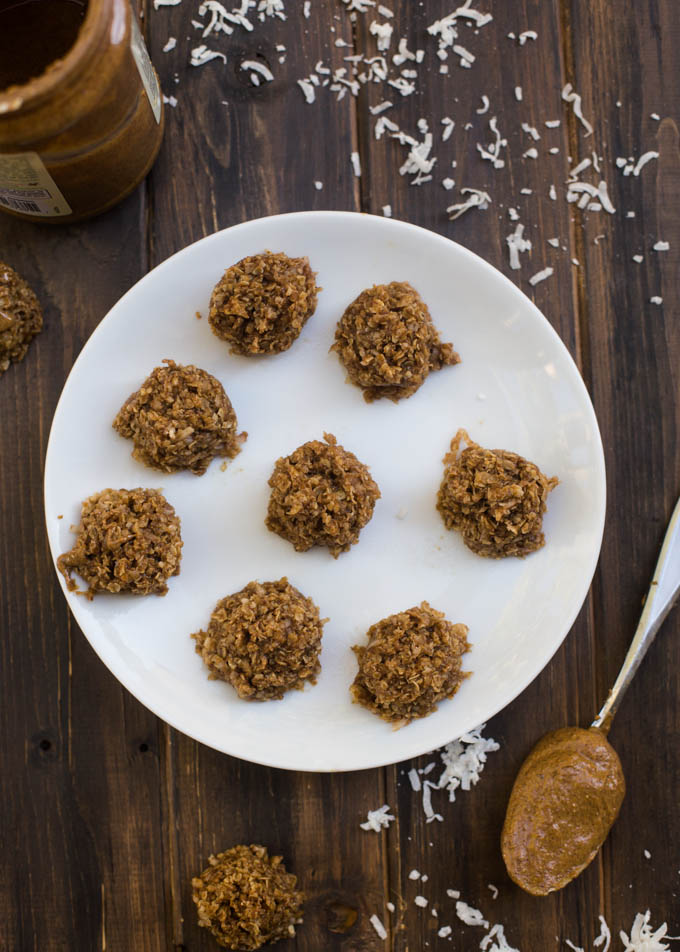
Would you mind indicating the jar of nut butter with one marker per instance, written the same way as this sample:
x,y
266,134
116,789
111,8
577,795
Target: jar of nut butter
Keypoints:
x,y
81,112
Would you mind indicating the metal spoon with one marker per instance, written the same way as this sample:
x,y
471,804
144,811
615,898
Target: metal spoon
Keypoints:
x,y
569,790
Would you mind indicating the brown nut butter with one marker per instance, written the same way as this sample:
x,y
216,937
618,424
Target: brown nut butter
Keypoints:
x,y
81,113
565,799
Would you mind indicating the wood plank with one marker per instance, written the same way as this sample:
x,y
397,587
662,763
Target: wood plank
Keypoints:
x,y
634,349
260,154
463,853
80,800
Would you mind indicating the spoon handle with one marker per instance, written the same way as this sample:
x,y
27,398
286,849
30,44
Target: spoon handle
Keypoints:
x,y
663,591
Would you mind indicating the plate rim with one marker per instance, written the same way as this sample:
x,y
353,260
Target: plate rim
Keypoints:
x,y
598,453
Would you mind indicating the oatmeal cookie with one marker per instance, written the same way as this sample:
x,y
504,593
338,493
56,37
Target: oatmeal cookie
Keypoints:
x,y
321,495
494,498
261,304
387,343
180,418
21,316
264,640
411,662
128,540
245,898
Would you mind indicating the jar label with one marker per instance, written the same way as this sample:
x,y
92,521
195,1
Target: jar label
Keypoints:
x,y
145,67
27,187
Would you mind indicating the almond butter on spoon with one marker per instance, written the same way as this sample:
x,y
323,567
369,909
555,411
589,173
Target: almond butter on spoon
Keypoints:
x,y
569,790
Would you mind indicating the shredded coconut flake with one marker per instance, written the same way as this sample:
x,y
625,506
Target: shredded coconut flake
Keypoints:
x,y
661,246
568,95
531,131
390,906
581,167
492,152
381,107
170,100
630,167
420,901
656,299
582,192
383,34
257,70
378,820
552,123
418,161
517,244
643,938
356,164
170,45
484,107
605,936
495,941
378,926
201,54
427,803
470,916
414,874
308,90
464,759
446,31
493,889
518,93
541,276
222,20
638,259
466,57
448,128
318,186
527,35
361,6
387,211
444,932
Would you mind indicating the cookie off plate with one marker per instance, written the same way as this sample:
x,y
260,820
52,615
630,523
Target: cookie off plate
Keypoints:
x,y
516,388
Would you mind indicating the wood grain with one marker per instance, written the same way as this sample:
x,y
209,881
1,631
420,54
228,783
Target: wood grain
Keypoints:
x,y
105,812
79,798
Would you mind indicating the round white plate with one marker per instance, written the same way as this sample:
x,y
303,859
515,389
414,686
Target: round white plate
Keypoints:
x,y
516,388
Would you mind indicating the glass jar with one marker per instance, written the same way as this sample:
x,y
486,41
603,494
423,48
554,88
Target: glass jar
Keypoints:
x,y
81,112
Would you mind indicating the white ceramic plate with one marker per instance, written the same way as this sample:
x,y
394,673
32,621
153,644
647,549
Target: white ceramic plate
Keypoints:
x,y
516,388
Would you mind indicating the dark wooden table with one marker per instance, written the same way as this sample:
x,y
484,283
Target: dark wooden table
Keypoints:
x,y
106,812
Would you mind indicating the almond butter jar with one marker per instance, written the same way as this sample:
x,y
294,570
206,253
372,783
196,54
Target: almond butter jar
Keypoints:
x,y
81,113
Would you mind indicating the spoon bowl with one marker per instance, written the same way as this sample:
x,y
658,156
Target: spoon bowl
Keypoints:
x,y
564,801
